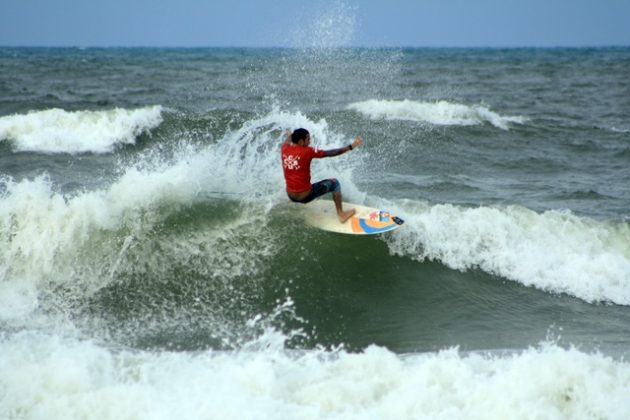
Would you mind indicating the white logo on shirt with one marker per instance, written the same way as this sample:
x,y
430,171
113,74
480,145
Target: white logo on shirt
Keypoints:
x,y
291,162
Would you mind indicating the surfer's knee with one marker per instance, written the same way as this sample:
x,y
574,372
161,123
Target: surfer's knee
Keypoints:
x,y
335,186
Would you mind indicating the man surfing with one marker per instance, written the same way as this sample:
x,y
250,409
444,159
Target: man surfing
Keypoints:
x,y
297,155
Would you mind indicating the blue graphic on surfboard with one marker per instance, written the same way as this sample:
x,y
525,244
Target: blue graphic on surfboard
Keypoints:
x,y
366,221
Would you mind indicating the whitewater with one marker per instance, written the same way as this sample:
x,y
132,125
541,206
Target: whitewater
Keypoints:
x,y
75,379
60,131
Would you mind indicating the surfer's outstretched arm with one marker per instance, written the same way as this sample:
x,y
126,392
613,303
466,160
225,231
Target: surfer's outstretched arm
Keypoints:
x,y
342,150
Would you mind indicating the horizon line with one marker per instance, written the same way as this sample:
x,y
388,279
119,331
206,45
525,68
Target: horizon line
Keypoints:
x,y
502,47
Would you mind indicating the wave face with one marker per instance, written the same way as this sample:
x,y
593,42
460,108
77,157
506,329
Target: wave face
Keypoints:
x,y
212,212
437,113
59,131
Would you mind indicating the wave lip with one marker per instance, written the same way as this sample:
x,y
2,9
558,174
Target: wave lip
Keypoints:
x,y
437,113
59,131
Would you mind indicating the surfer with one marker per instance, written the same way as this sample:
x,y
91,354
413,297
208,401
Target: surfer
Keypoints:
x,y
296,155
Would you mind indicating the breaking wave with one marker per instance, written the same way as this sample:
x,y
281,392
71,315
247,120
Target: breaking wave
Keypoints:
x,y
59,131
437,113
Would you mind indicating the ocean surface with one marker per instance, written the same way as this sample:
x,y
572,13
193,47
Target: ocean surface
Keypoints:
x,y
152,267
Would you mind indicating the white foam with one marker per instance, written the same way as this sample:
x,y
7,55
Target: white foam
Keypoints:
x,y
437,113
48,240
55,378
553,251
619,130
59,131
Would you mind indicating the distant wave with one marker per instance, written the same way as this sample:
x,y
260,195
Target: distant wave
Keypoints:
x,y
619,130
59,131
438,113
553,251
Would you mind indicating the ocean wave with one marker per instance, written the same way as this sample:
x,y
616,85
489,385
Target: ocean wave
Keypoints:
x,y
54,377
85,241
553,251
59,131
437,113
47,238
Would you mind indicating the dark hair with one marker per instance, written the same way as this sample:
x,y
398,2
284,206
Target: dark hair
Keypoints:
x,y
299,134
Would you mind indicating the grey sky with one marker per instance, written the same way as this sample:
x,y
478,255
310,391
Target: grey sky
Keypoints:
x,y
253,23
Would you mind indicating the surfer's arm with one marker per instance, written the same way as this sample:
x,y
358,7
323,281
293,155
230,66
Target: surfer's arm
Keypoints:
x,y
336,152
342,150
288,139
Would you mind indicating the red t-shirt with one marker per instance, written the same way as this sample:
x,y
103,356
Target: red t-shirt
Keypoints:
x,y
296,162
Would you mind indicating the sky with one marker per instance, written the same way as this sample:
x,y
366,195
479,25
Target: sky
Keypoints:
x,y
303,23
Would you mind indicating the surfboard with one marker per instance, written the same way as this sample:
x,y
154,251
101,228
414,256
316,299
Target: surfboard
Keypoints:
x,y
366,221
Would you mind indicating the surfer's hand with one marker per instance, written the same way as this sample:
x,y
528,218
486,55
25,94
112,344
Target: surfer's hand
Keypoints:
x,y
356,142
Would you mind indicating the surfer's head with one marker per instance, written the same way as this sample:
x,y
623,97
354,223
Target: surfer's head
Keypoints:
x,y
300,134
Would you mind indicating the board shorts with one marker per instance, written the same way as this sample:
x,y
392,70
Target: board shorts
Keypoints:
x,y
320,188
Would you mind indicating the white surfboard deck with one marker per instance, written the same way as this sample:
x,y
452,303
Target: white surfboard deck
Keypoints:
x,y
366,221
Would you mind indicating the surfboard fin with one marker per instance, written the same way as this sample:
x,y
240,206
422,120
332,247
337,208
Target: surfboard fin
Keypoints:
x,y
398,220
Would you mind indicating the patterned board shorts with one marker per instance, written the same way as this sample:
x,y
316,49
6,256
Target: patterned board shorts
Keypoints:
x,y
320,188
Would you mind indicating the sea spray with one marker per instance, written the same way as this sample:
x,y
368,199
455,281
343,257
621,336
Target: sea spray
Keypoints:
x,y
328,28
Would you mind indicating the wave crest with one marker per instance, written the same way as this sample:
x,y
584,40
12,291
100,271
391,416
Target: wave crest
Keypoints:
x,y
437,113
59,131
552,251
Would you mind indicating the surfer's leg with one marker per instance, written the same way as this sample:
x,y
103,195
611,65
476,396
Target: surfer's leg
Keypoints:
x,y
335,188
341,213
331,185
317,190
323,187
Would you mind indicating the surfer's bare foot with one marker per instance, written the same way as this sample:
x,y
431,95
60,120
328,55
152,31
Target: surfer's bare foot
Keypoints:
x,y
345,215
